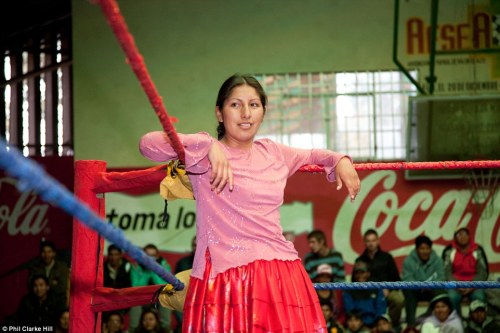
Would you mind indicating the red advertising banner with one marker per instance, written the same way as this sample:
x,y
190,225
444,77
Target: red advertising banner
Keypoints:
x,y
26,220
399,210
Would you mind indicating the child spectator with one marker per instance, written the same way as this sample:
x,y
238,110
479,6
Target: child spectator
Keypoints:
x,y
354,323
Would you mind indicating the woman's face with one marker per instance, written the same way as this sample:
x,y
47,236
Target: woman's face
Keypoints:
x,y
64,320
242,114
442,311
149,321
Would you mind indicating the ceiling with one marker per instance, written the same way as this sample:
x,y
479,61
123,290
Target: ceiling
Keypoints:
x,y
20,16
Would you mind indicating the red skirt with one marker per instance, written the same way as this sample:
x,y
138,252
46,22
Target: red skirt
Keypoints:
x,y
263,296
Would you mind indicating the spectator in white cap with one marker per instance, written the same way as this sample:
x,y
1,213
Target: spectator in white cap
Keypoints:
x,y
478,321
334,297
443,319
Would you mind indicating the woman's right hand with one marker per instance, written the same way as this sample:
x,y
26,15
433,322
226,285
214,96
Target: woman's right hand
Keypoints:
x,y
221,170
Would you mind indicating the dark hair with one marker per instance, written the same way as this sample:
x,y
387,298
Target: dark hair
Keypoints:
x,y
113,313
37,277
150,246
157,328
354,314
44,244
318,235
370,232
227,87
327,303
422,239
114,247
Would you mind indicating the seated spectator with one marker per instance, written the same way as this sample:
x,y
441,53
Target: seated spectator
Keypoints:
x,y
334,297
493,301
354,323
444,318
39,307
140,276
62,325
332,325
369,303
422,264
116,269
322,254
150,323
410,329
464,260
55,270
382,267
113,323
479,322
383,324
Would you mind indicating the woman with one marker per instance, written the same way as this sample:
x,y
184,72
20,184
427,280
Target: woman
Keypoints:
x,y
246,276
443,319
149,323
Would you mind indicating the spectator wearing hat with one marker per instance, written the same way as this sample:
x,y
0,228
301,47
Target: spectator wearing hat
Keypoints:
x,y
479,321
322,254
370,303
384,324
422,264
383,268
333,297
443,318
464,260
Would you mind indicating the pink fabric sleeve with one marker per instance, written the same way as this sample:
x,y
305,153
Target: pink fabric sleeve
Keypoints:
x,y
156,147
296,158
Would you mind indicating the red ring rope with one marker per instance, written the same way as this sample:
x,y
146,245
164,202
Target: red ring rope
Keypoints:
x,y
135,60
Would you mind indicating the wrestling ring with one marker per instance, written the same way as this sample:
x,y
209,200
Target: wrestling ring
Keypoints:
x,y
88,297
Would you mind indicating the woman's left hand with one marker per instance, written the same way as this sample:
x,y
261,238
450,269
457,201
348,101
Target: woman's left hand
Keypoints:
x,y
347,176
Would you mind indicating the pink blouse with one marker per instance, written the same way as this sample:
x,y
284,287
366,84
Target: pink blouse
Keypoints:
x,y
243,225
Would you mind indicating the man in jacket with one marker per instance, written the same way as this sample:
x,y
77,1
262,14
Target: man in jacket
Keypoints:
x,y
382,267
478,321
464,260
422,264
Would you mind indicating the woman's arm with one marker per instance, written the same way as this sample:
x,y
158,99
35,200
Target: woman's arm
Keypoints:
x,y
201,151
338,167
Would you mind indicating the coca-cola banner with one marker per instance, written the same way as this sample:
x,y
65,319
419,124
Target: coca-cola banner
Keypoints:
x,y
26,220
398,209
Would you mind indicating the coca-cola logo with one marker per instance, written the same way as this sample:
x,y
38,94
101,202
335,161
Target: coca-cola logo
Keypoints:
x,y
424,211
23,216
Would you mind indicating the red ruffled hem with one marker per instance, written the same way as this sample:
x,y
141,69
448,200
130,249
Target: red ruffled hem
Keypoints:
x,y
263,296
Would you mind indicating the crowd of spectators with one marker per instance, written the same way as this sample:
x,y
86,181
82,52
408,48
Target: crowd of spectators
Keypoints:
x,y
346,311
381,311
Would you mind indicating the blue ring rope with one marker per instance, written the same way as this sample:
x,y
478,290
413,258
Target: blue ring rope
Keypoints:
x,y
31,176
408,285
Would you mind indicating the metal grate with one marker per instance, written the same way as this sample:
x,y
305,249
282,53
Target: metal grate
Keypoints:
x,y
363,114
36,108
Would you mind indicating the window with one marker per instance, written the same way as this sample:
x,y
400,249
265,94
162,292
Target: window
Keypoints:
x,y
363,114
36,108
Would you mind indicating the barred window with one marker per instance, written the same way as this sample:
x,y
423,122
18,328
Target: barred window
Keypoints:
x,y
36,108
363,114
